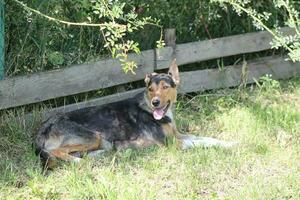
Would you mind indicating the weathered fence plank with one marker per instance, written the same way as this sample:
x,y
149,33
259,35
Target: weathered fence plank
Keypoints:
x,y
207,79
73,80
232,75
106,73
220,47
95,102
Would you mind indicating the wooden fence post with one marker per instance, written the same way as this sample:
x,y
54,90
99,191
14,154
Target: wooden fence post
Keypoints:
x,y
170,40
106,73
164,56
170,37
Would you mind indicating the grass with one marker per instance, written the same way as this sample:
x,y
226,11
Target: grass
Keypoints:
x,y
264,119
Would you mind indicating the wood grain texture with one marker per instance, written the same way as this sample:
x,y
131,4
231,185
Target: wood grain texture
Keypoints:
x,y
170,37
201,80
163,56
106,73
94,102
232,75
72,80
220,47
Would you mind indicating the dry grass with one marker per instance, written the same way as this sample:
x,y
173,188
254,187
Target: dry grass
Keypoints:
x,y
266,122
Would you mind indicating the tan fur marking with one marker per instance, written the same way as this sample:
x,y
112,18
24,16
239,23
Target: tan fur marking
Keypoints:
x,y
173,69
51,163
140,142
63,152
164,94
168,130
172,132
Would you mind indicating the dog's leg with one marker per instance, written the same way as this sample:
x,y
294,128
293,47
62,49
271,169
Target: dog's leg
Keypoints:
x,y
105,146
191,141
63,152
96,153
139,143
186,141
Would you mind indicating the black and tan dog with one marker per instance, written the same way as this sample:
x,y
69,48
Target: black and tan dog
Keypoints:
x,y
138,122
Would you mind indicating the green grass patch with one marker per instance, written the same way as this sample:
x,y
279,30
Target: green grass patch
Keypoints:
x,y
265,120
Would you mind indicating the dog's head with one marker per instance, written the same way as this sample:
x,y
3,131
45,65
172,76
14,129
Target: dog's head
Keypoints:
x,y
162,90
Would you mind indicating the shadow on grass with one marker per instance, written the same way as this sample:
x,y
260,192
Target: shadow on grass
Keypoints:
x,y
19,165
17,154
18,161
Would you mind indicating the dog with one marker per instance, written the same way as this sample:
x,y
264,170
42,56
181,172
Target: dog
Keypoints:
x,y
138,122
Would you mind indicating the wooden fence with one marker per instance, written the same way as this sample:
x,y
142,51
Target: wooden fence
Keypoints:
x,y
43,86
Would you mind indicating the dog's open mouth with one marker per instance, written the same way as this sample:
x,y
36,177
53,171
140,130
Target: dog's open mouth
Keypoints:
x,y
158,113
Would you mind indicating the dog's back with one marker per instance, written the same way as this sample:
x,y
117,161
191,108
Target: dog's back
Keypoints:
x,y
138,122
116,125
119,121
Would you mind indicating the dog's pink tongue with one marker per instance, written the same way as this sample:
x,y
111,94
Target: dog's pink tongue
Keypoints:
x,y
158,113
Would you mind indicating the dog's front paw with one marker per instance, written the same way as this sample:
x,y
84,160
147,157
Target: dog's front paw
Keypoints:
x,y
76,160
229,144
191,141
187,143
96,153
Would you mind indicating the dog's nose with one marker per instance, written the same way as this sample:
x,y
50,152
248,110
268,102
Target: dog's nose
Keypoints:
x,y
155,102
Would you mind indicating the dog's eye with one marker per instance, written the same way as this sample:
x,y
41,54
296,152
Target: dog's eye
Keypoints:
x,y
165,87
150,89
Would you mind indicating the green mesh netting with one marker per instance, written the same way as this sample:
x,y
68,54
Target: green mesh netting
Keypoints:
x,y
1,39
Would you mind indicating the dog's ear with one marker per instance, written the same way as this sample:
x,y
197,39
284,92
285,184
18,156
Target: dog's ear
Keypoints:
x,y
148,78
174,72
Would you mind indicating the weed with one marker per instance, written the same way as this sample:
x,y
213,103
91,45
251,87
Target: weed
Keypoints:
x,y
267,84
264,166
